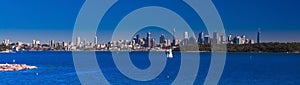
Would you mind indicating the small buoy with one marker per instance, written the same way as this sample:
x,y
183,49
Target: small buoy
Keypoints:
x,y
14,61
37,74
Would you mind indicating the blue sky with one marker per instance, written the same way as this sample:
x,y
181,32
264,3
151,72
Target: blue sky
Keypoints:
x,y
25,20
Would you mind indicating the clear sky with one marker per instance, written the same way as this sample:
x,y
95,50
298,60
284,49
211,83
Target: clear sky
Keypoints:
x,y
25,20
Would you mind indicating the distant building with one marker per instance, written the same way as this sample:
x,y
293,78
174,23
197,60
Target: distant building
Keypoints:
x,y
153,43
78,42
207,39
215,38
222,39
201,38
243,39
168,42
238,40
229,39
185,38
258,35
162,39
52,44
95,40
148,39
186,35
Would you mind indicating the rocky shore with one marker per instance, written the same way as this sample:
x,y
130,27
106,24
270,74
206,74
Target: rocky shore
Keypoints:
x,y
15,67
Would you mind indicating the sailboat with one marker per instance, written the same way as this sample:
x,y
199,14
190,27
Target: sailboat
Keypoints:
x,y
170,54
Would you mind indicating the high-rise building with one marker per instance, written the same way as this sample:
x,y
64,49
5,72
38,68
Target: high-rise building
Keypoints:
x,y
162,39
186,35
185,39
222,39
168,42
78,42
243,39
52,43
207,39
174,37
258,35
215,38
148,40
137,40
229,40
238,40
152,43
201,38
95,40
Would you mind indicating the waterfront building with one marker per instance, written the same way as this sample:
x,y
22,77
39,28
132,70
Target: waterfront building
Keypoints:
x,y
215,38
78,42
148,39
168,42
222,39
229,39
95,40
186,35
258,35
243,39
153,44
201,38
162,39
207,39
185,38
238,40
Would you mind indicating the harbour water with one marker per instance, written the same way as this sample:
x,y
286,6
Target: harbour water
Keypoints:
x,y
240,68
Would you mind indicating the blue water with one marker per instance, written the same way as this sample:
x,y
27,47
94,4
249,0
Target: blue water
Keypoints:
x,y
58,68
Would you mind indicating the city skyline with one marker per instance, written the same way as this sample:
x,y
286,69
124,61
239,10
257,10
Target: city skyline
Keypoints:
x,y
51,20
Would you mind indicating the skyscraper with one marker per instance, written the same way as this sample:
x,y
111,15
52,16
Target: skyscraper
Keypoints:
x,y
137,39
207,39
229,40
162,39
52,43
258,35
78,41
222,39
95,40
215,38
201,38
148,39
186,38
186,35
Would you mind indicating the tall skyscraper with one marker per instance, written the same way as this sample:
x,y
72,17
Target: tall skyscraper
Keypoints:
x,y
137,39
148,39
78,42
186,35
162,39
52,43
201,38
222,39
229,40
174,37
185,38
215,38
207,39
95,40
258,35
